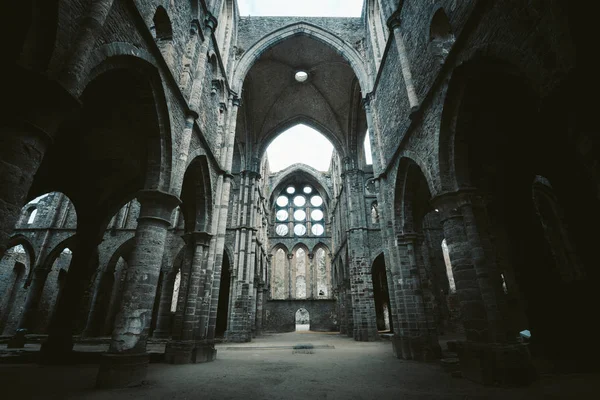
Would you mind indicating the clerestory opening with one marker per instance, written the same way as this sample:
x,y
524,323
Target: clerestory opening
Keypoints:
x,y
306,8
300,144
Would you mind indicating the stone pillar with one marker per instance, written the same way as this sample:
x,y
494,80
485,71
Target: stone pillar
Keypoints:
x,y
34,293
126,362
361,282
311,284
394,23
260,307
163,317
59,344
91,328
290,257
181,350
482,357
417,337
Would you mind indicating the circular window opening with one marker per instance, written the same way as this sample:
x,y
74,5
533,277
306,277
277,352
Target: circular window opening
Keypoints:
x,y
290,190
299,201
299,215
282,215
300,230
282,230
301,76
316,201
317,229
282,201
316,215
307,190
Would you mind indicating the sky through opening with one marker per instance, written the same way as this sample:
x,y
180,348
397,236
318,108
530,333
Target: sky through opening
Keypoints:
x,y
305,8
300,144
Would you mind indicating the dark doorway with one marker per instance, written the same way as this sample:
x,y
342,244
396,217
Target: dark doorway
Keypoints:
x,y
222,310
381,295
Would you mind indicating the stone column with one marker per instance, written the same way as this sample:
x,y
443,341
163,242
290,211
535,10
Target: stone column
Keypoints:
x,y
260,300
181,350
34,293
311,285
394,23
481,359
361,282
163,317
126,362
290,257
59,344
417,338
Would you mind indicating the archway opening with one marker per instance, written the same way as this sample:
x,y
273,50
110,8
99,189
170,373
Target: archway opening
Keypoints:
x,y
223,308
302,320
14,268
381,295
300,144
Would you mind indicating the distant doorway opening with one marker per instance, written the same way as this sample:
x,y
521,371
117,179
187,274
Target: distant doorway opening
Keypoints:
x,y
381,295
302,320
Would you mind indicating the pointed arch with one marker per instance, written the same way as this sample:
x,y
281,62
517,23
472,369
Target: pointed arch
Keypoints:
x,y
302,28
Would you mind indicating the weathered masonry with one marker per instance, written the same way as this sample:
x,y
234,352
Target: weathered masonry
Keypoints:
x,y
137,202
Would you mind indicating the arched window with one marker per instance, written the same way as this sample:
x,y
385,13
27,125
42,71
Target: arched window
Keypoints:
x,y
301,268
163,33
176,286
451,284
32,213
374,213
323,271
367,147
440,35
279,270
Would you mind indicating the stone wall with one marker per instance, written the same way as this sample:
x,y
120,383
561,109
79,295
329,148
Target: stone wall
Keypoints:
x,y
281,315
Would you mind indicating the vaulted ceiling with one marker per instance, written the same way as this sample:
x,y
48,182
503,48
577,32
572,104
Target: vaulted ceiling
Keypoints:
x,y
329,100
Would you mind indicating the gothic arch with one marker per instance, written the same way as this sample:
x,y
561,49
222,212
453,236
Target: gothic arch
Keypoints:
x,y
452,161
412,196
297,120
196,196
22,240
125,56
310,174
302,28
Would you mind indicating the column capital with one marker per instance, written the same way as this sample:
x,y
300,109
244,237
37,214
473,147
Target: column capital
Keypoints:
x,y
448,204
394,21
157,205
197,238
210,21
290,256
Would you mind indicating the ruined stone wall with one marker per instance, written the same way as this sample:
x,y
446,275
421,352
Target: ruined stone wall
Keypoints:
x,y
281,315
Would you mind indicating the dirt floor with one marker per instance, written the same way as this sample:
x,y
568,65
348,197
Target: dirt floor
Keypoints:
x,y
269,368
